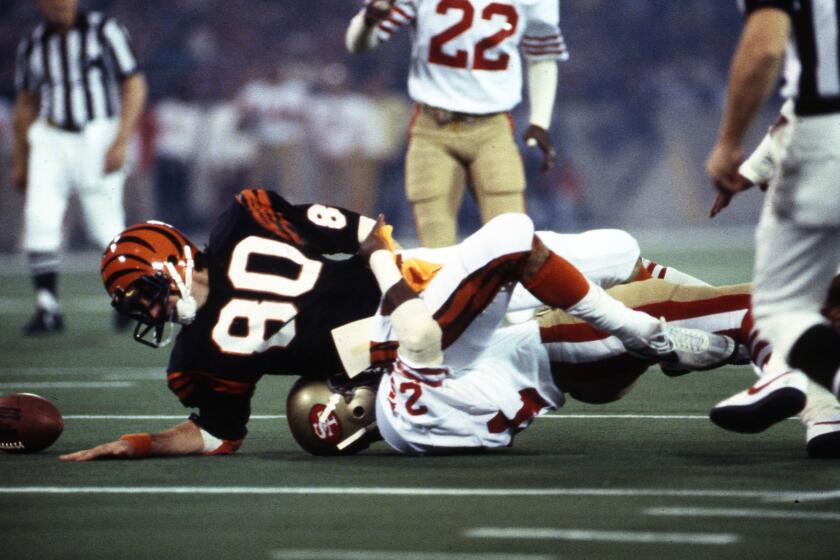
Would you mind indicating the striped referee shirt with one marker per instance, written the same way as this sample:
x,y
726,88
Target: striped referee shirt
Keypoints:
x,y
77,75
812,68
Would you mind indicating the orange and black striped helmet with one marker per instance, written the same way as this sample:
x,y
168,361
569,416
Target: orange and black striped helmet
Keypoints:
x,y
135,274
140,250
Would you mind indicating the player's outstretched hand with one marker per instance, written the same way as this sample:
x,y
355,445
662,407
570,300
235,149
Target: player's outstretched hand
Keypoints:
x,y
112,450
538,136
376,11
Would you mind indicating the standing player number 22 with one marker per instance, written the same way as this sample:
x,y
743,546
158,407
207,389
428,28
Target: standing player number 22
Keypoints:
x,y
461,57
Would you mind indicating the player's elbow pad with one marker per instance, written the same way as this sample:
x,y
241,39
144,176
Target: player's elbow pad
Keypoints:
x,y
419,334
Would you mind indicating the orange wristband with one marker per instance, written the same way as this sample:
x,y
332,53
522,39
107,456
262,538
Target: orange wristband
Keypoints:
x,y
141,444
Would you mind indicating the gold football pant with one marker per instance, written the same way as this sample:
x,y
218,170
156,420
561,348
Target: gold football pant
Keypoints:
x,y
442,158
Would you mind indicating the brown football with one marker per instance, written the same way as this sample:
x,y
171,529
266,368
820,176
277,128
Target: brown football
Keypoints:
x,y
28,423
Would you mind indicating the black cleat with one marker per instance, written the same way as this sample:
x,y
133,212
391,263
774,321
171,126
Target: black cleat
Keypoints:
x,y
44,323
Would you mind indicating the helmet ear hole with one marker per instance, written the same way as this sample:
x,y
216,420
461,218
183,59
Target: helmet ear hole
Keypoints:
x,y
358,411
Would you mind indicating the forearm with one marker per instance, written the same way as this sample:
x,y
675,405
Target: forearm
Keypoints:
x,y
134,93
360,37
542,90
183,439
754,71
25,113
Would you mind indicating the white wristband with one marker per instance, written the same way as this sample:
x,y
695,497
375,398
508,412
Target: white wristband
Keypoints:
x,y
384,269
211,442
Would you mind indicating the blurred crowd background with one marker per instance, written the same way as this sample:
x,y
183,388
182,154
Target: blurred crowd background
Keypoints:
x,y
263,93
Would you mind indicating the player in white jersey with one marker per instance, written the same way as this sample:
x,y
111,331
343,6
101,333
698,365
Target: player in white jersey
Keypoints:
x,y
465,76
798,237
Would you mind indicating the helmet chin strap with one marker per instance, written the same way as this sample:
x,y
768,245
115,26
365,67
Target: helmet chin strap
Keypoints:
x,y
186,306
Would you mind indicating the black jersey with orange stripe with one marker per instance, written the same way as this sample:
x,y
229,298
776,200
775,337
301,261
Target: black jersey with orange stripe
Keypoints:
x,y
281,276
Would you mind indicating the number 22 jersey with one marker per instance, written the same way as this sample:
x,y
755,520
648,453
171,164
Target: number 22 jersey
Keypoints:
x,y
465,53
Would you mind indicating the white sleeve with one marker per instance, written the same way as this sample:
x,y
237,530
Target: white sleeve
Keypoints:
x,y
116,37
542,89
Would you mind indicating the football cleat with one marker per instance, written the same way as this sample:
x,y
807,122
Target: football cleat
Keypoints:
x,y
770,400
44,322
823,438
680,350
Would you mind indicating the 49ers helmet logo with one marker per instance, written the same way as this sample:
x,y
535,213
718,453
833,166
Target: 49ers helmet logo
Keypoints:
x,y
328,431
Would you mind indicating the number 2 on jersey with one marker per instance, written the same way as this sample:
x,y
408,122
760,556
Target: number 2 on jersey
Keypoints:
x,y
480,60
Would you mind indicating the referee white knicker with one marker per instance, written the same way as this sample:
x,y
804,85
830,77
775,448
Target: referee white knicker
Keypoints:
x,y
80,94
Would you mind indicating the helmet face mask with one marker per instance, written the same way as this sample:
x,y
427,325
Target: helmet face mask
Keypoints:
x,y
147,302
330,418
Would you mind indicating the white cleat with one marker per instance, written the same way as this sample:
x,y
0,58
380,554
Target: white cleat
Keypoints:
x,y
771,399
680,350
823,438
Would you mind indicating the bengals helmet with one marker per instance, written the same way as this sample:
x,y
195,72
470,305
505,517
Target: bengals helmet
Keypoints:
x,y
333,416
141,268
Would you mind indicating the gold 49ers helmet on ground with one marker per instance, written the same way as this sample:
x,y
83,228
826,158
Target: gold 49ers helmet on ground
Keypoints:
x,y
141,268
334,416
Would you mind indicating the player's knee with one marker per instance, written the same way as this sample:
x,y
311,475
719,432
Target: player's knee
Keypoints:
x,y
510,232
622,243
623,249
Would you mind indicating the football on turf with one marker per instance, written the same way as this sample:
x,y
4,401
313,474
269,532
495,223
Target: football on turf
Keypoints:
x,y
28,423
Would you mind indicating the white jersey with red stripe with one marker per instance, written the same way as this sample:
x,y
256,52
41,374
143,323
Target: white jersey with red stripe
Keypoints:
x,y
465,53
419,411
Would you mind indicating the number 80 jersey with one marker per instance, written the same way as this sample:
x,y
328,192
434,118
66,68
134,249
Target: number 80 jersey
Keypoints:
x,y
465,53
281,278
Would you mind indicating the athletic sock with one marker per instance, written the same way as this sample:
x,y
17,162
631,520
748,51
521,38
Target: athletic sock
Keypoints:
x,y
671,274
817,353
43,267
559,283
760,349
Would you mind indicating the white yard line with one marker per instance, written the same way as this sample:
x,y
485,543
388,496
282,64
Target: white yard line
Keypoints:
x,y
76,304
67,384
602,536
405,491
749,513
343,554
791,497
156,416
275,416
118,372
